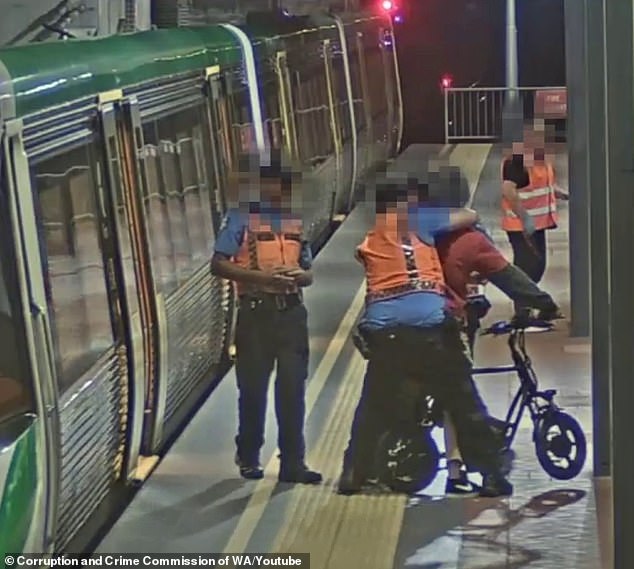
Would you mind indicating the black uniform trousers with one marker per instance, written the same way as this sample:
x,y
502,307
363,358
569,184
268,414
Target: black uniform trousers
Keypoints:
x,y
437,358
532,262
269,334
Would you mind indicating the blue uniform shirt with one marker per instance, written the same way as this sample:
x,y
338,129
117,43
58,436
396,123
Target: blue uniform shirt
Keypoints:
x,y
231,234
419,309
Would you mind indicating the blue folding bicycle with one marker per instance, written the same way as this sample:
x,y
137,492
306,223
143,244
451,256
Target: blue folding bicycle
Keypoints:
x,y
409,459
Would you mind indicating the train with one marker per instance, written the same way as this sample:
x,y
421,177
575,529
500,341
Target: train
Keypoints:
x,y
114,166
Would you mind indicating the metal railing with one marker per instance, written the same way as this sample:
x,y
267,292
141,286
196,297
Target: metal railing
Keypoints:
x,y
475,113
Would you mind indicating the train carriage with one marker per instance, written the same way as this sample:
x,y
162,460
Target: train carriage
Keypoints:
x,y
331,95
112,188
112,174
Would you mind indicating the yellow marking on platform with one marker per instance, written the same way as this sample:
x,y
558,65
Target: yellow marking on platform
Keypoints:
x,y
341,532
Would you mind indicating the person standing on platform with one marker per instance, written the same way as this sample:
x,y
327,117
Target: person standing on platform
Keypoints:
x,y
529,201
412,338
262,249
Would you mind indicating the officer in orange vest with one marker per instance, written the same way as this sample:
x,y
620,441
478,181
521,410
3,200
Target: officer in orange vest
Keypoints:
x,y
261,248
411,337
529,201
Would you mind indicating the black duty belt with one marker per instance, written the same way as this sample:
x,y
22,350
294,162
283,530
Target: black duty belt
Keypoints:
x,y
281,301
416,286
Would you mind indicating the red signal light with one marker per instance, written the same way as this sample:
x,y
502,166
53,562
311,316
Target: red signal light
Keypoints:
x,y
446,81
387,5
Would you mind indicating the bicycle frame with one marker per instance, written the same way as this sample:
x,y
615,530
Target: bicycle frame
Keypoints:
x,y
527,394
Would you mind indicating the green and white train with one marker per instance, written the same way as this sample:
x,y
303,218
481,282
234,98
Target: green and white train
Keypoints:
x,y
112,186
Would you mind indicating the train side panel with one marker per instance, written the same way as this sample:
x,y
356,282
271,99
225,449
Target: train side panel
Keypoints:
x,y
125,191
118,151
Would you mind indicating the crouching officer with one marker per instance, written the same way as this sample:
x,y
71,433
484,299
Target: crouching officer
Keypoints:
x,y
261,249
412,338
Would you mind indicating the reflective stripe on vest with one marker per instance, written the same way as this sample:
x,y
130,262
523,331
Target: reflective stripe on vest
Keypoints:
x,y
534,211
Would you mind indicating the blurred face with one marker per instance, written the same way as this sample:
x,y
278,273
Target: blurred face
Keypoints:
x,y
276,192
534,144
271,191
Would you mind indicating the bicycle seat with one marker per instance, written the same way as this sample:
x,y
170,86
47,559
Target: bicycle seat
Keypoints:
x,y
503,327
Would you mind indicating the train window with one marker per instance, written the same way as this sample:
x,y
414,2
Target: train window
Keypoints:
x,y
177,195
312,113
16,395
303,119
357,87
341,96
225,132
376,79
80,314
322,104
272,115
390,75
241,121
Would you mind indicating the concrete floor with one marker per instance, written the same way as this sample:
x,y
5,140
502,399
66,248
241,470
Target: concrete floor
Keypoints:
x,y
195,502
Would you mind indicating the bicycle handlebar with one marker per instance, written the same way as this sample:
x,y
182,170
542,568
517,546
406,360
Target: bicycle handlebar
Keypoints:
x,y
504,327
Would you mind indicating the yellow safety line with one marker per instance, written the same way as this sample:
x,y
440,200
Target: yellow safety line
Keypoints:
x,y
341,532
312,518
258,501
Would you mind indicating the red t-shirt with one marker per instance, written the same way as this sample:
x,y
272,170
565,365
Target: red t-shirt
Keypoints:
x,y
462,253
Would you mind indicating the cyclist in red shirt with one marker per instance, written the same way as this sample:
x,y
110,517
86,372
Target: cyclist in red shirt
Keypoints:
x,y
463,254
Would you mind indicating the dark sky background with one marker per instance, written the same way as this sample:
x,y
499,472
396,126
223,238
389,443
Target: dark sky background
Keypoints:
x,y
466,39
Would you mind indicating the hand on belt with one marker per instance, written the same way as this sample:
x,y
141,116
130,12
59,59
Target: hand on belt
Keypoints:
x,y
282,301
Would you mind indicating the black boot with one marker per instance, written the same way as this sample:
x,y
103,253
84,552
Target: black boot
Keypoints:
x,y
298,474
349,483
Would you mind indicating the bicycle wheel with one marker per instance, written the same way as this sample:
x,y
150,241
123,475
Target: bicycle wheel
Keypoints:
x,y
408,460
560,445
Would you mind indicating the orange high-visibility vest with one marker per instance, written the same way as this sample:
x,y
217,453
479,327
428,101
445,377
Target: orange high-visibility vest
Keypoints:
x,y
264,249
398,263
538,199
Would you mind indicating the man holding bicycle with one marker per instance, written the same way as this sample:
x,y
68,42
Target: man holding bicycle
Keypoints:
x,y
469,255
412,338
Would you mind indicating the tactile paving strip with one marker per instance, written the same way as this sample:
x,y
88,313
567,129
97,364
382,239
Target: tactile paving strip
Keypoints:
x,y
338,531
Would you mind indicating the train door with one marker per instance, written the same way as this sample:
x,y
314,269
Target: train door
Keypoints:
x,y
67,258
287,111
392,90
339,86
349,63
386,41
27,457
170,152
335,122
218,113
398,99
307,99
137,317
367,141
